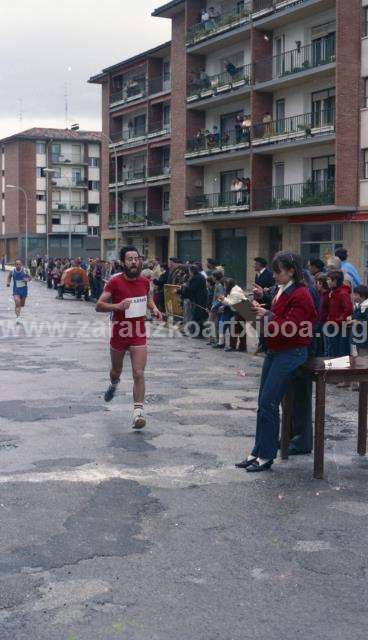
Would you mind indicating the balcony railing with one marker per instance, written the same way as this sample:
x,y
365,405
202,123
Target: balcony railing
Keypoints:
x,y
159,84
152,218
306,194
295,61
65,206
158,127
75,228
67,159
267,6
69,182
129,135
213,201
133,90
236,14
205,143
159,171
206,86
134,175
299,127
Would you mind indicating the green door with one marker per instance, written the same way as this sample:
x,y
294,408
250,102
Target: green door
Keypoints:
x,y
231,251
189,246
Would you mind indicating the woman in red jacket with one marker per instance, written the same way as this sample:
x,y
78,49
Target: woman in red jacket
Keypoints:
x,y
288,330
340,312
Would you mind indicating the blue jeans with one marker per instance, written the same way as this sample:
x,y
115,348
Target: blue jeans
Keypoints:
x,y
277,371
339,345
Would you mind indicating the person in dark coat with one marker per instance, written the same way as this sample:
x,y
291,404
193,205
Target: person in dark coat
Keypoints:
x,y
195,290
264,275
160,284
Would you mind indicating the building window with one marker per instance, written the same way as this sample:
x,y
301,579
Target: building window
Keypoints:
x,y
320,240
93,208
40,172
365,168
166,200
93,231
93,185
40,148
365,97
41,196
365,27
93,162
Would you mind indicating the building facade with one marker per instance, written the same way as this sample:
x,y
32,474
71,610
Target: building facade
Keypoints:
x,y
51,193
269,119
136,126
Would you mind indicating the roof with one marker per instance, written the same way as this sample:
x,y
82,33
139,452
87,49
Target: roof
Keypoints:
x,y
139,56
39,133
167,10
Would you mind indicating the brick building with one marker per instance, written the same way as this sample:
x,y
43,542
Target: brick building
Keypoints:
x,y
59,170
269,114
136,125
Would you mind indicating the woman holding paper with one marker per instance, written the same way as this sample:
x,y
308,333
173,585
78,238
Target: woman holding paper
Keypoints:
x,y
288,331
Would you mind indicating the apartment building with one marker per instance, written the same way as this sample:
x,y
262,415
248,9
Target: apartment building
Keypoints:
x,y
136,124
50,193
269,108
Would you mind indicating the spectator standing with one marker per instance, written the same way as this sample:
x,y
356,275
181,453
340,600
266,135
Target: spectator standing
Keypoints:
x,y
340,312
348,268
360,320
264,276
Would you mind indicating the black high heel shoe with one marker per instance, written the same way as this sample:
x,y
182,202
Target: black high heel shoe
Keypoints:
x,y
255,467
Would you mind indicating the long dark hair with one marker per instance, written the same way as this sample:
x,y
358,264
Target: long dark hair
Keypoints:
x,y
287,260
229,284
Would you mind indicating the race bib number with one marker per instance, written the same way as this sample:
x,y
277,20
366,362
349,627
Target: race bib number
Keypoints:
x,y
21,283
137,308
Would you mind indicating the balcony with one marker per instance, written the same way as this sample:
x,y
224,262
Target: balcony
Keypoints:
x,y
131,91
140,219
129,137
158,128
133,176
209,144
67,159
305,128
263,8
297,61
158,172
69,182
161,84
81,229
221,83
65,206
236,15
292,196
213,203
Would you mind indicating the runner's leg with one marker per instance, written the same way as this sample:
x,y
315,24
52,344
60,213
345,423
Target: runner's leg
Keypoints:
x,y
138,357
117,358
17,303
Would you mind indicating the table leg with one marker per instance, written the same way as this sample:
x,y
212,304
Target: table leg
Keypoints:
x,y
287,408
319,427
362,418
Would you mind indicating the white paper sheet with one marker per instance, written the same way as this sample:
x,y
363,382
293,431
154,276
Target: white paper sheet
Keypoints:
x,y
137,308
338,363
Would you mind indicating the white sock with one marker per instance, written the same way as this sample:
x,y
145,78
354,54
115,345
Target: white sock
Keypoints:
x,y
262,460
138,405
251,458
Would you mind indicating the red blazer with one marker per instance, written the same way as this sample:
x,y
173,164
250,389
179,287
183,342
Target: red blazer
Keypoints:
x,y
324,307
289,315
341,306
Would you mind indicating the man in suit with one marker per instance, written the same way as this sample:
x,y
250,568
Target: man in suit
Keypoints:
x,y
264,275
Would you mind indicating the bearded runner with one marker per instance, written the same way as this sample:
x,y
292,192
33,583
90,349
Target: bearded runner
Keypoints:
x,y
126,297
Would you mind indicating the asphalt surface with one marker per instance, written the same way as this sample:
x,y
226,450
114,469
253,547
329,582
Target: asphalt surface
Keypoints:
x,y
108,534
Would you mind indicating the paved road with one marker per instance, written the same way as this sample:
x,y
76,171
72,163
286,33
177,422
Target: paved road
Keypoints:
x,y
107,534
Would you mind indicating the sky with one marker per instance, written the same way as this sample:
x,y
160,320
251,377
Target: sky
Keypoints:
x,y
50,48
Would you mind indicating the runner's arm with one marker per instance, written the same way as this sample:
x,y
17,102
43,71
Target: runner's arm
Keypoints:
x,y
9,279
152,307
105,306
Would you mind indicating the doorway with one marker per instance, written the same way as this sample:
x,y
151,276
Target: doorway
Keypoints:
x,y
231,252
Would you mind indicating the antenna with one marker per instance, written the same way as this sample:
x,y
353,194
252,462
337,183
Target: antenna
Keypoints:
x,y
66,104
20,111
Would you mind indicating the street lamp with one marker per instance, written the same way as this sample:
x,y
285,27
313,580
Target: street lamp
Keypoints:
x,y
47,170
18,188
116,193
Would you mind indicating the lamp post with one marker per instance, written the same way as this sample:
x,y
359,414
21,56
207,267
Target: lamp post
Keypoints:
x,y
51,171
18,188
116,194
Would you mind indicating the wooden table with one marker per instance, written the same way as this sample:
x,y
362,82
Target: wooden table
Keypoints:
x,y
315,367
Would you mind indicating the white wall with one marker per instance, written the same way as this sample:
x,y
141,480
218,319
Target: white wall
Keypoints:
x,y
41,160
213,60
213,116
93,197
94,150
364,193
93,173
93,220
364,57
298,99
41,184
301,31
298,163
212,182
40,206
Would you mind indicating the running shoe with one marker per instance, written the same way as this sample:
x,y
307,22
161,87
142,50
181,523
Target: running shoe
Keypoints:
x,y
109,394
19,321
139,420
